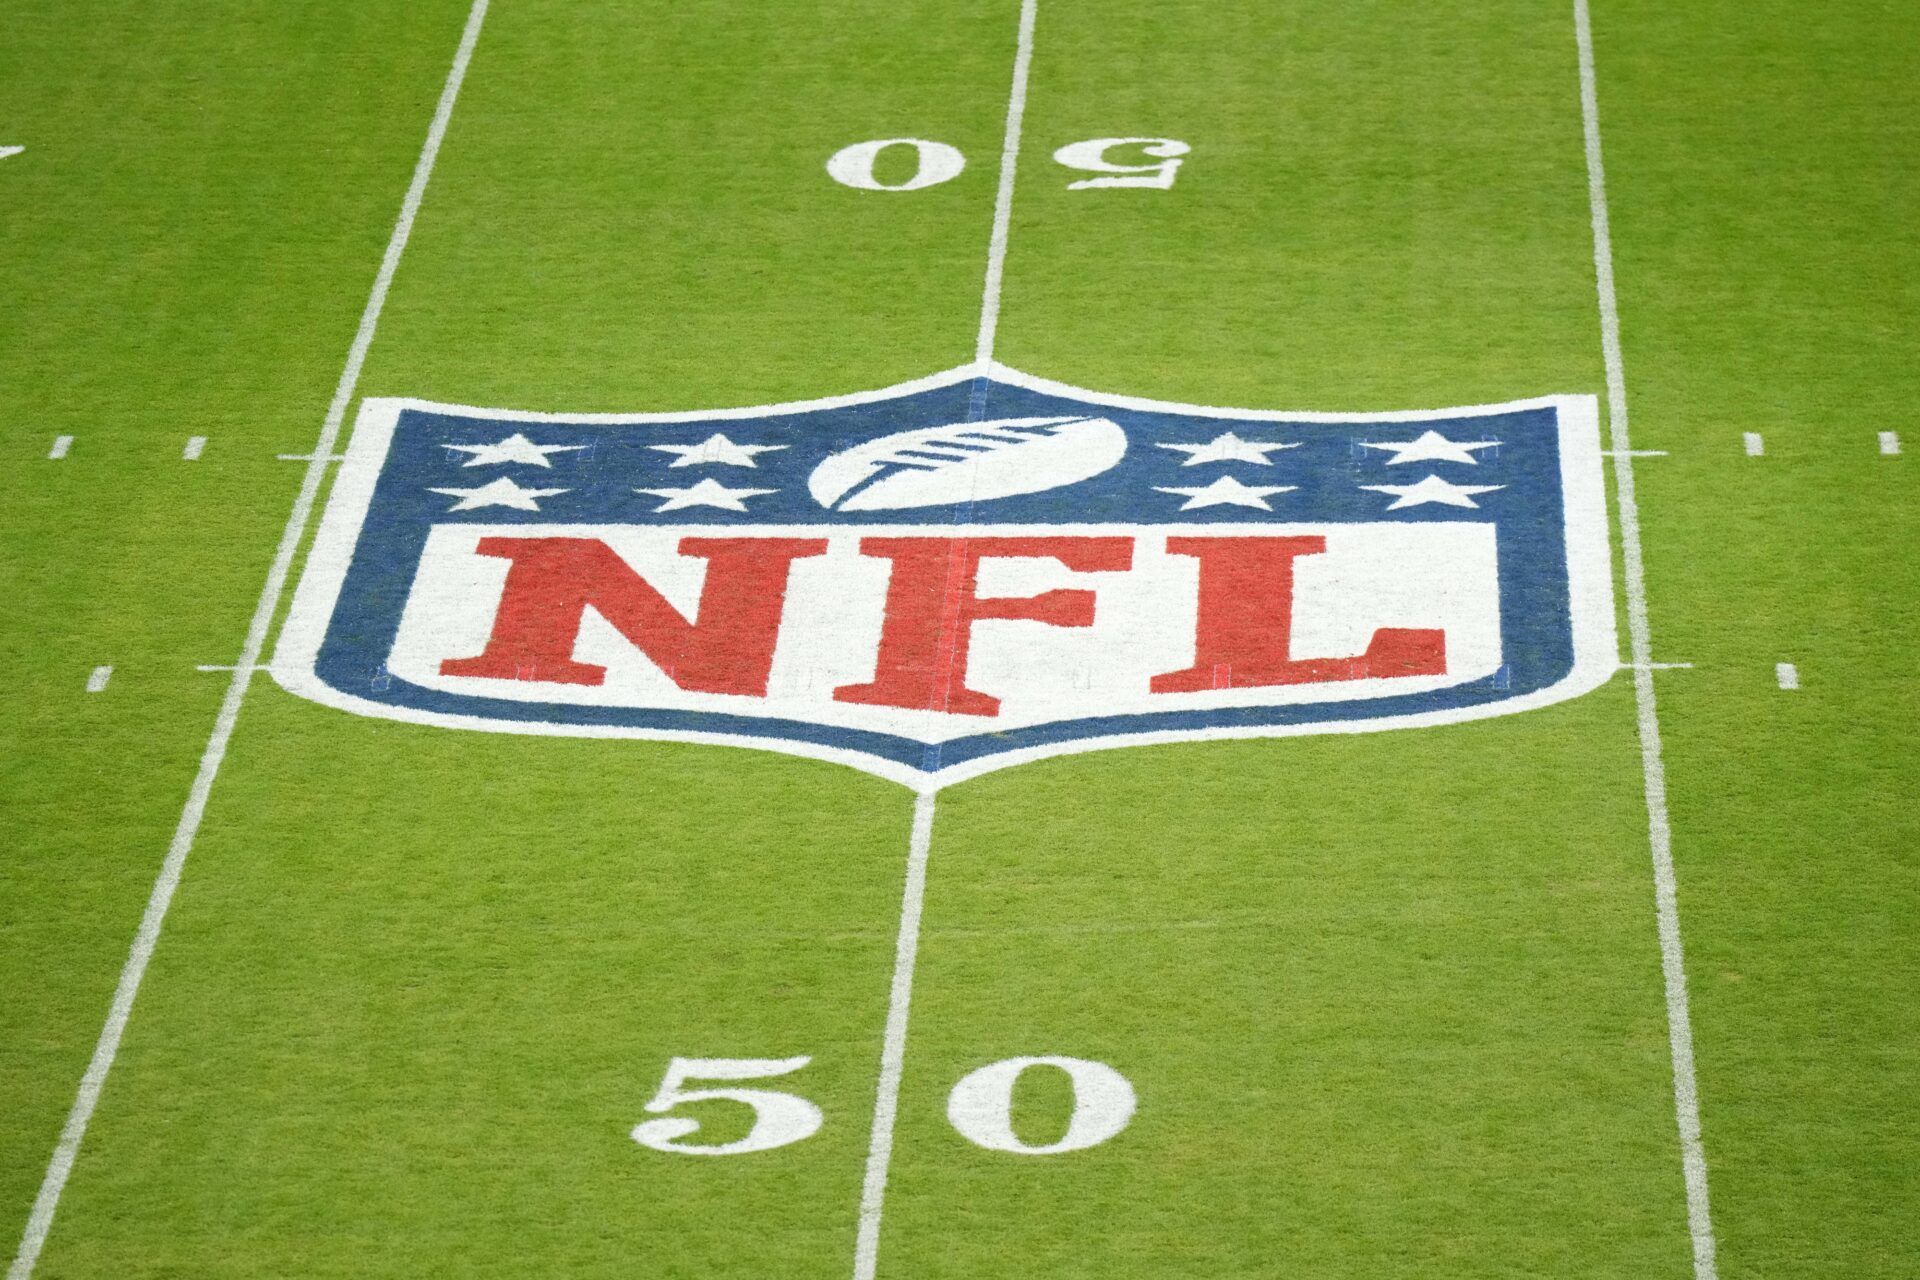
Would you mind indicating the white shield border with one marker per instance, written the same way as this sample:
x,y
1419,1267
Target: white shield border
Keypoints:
x,y
1583,490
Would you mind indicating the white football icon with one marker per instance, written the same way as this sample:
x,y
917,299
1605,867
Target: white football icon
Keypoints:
x,y
966,461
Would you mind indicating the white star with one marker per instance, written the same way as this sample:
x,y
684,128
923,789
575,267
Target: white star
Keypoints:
x,y
1431,447
498,493
1229,447
707,493
1432,489
1226,491
515,448
716,449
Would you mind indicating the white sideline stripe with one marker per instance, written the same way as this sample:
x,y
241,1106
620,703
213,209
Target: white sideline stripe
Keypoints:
x,y
1755,445
1890,443
40,1220
1787,674
1003,199
893,1050
196,445
1686,1094
60,446
97,680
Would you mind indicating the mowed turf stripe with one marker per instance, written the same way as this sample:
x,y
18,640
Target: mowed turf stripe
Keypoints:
x,y
147,937
188,248
1767,268
1389,1003
421,983
1673,969
893,1050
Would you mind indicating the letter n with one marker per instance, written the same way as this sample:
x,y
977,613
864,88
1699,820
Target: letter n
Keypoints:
x,y
727,648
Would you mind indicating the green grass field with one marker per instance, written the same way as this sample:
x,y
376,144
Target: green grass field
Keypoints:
x,y
1392,1003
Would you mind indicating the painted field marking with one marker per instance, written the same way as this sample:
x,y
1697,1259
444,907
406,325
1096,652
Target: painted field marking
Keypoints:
x,y
97,680
196,445
1755,445
893,1049
1003,197
1890,443
40,1220
10,151
1686,1090
310,457
1620,454
1787,674
1656,666
60,446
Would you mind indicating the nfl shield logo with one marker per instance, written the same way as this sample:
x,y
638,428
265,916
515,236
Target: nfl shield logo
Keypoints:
x,y
957,574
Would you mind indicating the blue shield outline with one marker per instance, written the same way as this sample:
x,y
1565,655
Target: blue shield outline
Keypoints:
x,y
1556,610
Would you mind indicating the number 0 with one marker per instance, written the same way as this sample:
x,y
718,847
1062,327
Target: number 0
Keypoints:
x,y
936,163
981,1105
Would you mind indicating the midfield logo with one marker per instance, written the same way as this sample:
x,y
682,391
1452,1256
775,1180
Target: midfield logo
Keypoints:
x,y
957,574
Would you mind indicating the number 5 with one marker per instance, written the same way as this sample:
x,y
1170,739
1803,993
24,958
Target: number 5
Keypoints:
x,y
778,1118
1091,156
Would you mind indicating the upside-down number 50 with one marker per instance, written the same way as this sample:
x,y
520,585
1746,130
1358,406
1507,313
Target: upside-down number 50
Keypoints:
x,y
1110,160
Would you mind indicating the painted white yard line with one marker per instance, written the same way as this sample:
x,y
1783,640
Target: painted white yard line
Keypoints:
x,y
1890,443
310,457
1656,666
97,679
1787,674
1686,1093
40,1220
1617,454
1003,199
60,446
1756,446
10,151
196,445
893,1051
